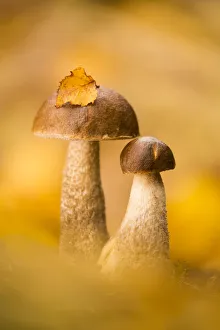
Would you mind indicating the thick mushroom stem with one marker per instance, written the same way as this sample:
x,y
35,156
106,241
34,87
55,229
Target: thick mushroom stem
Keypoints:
x,y
143,238
83,225
144,228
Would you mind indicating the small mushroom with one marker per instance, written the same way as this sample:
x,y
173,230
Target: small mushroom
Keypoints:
x,y
143,237
111,117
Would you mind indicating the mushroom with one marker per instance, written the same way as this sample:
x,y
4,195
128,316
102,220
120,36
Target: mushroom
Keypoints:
x,y
143,238
111,117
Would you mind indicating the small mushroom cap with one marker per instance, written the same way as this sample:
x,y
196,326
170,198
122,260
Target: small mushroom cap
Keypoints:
x,y
110,117
146,154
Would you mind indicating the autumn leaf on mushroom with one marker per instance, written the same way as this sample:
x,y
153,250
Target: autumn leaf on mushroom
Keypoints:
x,y
77,89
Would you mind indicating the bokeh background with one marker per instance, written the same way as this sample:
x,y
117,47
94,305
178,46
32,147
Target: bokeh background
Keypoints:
x,y
163,56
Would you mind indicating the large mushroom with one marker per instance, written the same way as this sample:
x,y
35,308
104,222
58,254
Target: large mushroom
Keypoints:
x,y
143,237
111,117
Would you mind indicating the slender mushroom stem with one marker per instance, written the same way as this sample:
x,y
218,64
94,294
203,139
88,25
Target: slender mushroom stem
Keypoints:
x,y
143,238
83,226
144,228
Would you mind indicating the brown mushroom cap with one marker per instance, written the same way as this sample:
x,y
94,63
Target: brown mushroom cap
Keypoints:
x,y
110,117
146,154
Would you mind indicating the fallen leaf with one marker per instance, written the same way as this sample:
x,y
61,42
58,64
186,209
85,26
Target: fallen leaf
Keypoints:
x,y
77,89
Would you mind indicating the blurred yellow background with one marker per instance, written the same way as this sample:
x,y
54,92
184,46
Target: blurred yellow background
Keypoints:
x,y
163,56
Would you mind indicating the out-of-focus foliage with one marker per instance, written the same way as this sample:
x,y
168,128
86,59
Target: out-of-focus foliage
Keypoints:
x,y
197,207
39,291
77,89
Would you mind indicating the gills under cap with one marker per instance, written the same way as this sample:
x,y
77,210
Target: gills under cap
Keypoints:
x,y
110,117
146,154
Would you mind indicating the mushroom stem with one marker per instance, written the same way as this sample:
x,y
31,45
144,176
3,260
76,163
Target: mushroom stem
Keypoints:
x,y
83,225
143,238
144,228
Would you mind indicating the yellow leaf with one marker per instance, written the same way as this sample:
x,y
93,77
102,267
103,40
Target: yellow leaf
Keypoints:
x,y
77,89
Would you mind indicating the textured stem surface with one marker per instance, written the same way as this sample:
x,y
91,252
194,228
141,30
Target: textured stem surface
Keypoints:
x,y
144,227
83,225
143,237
